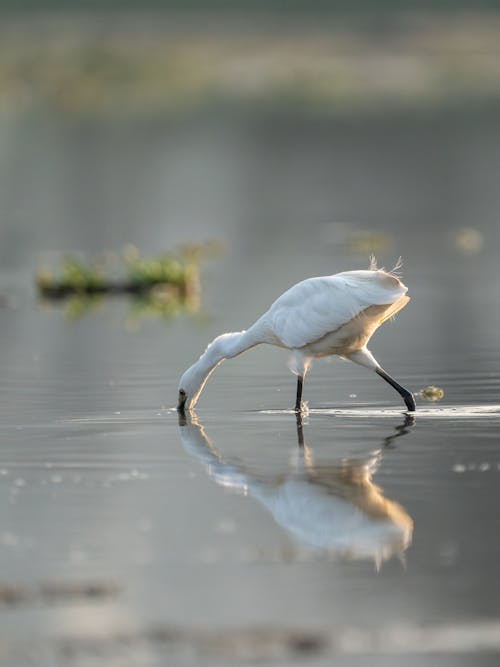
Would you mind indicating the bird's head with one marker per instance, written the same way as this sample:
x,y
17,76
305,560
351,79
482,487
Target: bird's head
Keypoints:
x,y
181,403
188,391
193,380
190,386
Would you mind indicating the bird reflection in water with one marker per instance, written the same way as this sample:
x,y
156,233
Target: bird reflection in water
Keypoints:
x,y
332,508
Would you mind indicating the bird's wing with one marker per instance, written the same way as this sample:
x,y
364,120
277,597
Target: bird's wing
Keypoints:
x,y
317,306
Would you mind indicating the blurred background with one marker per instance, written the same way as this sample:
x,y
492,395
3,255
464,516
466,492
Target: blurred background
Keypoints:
x,y
333,121
299,137
255,144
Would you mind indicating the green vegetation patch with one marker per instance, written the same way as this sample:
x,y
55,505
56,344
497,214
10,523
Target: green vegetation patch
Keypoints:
x,y
163,285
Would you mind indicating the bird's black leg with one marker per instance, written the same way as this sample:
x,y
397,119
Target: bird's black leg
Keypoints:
x,y
298,401
406,395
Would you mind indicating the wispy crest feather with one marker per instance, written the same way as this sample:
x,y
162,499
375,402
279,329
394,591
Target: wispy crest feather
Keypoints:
x,y
396,271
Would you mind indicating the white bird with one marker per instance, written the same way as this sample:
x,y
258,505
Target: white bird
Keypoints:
x,y
317,317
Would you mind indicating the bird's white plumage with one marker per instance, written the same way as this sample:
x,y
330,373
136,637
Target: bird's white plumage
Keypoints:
x,y
318,306
317,317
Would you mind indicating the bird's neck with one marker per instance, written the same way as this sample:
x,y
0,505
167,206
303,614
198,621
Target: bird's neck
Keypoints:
x,y
226,346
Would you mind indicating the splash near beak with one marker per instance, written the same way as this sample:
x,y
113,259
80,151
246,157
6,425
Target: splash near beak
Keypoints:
x,y
181,401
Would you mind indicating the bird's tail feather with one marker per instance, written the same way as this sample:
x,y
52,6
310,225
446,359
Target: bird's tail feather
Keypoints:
x,y
395,308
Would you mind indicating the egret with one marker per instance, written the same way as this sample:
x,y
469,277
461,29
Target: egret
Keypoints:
x,y
317,317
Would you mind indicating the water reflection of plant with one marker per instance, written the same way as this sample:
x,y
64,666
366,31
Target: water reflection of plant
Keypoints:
x,y
160,303
78,306
163,303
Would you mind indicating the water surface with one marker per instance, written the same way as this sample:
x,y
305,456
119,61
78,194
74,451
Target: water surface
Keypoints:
x,y
234,536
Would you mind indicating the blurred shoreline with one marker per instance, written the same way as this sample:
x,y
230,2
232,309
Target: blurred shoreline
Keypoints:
x,y
142,64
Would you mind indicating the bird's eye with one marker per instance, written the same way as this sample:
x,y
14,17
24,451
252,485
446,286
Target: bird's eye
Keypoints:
x,y
182,392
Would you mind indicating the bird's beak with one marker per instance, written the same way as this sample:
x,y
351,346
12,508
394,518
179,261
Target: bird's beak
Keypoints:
x,y
181,402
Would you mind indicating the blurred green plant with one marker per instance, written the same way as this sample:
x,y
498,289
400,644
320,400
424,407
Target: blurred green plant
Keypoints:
x,y
163,286
75,278
431,393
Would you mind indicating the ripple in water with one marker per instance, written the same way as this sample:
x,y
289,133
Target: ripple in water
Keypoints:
x,y
431,412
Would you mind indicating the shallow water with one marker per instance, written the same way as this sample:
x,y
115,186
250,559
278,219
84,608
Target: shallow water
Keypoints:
x,y
238,536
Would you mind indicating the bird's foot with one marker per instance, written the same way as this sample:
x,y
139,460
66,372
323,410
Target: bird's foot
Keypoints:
x,y
410,402
301,409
